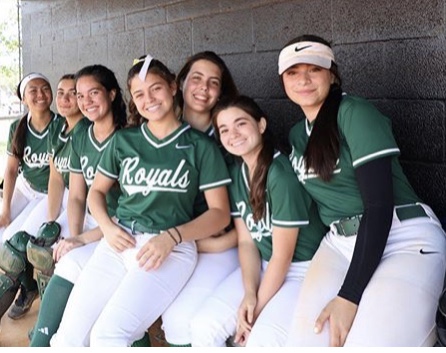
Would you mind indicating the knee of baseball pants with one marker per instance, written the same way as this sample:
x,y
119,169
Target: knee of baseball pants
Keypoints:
x,y
70,265
212,331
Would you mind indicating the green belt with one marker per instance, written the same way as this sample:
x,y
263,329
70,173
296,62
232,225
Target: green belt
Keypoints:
x,y
348,227
138,227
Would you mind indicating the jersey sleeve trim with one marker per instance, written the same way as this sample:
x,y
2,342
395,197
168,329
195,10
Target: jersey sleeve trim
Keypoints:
x,y
236,214
74,170
107,174
215,185
375,155
289,223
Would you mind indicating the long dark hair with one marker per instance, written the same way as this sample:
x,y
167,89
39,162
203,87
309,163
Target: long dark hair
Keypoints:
x,y
322,151
19,136
107,79
228,87
156,67
257,183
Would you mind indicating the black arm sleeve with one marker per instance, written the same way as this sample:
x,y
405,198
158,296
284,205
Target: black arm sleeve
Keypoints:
x,y
375,185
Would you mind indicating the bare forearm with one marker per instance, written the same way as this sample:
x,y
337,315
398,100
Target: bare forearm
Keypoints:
x,y
218,243
56,189
76,216
8,189
250,264
209,223
91,235
272,281
98,207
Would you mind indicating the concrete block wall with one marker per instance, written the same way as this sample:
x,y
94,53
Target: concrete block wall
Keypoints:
x,y
392,52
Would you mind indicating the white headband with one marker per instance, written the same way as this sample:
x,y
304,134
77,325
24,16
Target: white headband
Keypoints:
x,y
28,78
145,67
305,53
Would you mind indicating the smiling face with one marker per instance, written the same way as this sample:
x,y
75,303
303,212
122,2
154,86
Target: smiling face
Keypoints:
x,y
37,95
201,87
94,101
240,133
66,99
308,86
153,97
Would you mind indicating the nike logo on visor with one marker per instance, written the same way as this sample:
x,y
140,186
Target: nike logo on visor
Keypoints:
x,y
302,48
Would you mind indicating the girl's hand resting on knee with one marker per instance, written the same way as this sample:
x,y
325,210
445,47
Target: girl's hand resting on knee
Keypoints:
x,y
340,313
118,238
155,251
245,319
66,245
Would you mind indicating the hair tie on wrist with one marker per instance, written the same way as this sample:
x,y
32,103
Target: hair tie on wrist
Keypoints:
x,y
179,235
173,238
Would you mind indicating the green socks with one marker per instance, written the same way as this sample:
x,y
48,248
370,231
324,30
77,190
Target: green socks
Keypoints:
x,y
51,310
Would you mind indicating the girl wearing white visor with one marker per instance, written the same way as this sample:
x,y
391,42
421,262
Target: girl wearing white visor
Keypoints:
x,y
376,278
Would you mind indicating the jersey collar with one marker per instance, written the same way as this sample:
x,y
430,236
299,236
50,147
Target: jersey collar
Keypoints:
x,y
157,143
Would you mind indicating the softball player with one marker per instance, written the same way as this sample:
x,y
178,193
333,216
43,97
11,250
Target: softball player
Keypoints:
x,y
53,207
278,232
149,254
204,79
27,148
100,100
377,276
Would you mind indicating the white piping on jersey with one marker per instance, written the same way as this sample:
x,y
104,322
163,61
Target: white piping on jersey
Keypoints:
x,y
63,138
307,128
39,136
212,185
245,178
289,223
236,214
74,170
91,137
376,154
159,145
211,132
106,173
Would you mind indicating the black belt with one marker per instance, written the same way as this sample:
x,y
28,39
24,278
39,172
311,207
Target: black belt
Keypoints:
x,y
138,227
348,227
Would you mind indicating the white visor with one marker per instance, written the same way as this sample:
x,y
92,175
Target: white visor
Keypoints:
x,y
28,78
305,53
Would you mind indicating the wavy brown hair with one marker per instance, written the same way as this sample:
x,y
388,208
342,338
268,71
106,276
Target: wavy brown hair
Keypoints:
x,y
257,182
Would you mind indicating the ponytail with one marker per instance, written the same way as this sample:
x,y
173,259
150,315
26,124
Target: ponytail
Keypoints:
x,y
19,138
322,152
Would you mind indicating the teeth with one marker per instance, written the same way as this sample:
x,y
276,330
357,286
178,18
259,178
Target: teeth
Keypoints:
x,y
200,97
236,144
152,109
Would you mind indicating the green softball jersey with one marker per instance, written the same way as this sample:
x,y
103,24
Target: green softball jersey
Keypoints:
x,y
160,179
85,155
288,205
365,135
60,146
35,163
